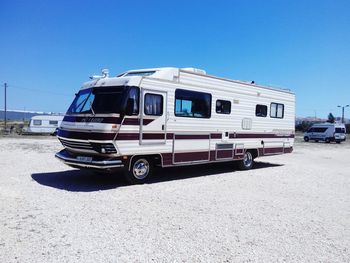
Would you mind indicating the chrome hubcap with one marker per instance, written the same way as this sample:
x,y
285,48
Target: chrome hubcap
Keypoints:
x,y
248,159
141,169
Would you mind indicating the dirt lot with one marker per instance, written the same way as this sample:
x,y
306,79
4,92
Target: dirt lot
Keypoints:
x,y
294,207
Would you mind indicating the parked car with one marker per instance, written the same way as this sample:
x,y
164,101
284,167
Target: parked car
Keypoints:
x,y
327,132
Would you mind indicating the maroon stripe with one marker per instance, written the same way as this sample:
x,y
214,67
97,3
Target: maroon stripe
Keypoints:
x,y
132,121
111,120
128,136
273,150
85,135
149,136
257,135
153,136
216,136
191,137
191,156
224,154
203,156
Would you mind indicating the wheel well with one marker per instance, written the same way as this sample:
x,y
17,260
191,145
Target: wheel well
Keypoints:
x,y
254,152
155,158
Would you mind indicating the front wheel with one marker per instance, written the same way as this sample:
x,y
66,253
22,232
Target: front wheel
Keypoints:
x,y
247,162
140,171
306,139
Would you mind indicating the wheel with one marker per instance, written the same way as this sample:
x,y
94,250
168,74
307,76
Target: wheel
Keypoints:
x,y
306,139
247,162
338,142
140,171
316,140
328,140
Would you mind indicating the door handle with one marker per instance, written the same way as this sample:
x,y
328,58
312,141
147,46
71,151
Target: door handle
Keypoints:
x,y
163,127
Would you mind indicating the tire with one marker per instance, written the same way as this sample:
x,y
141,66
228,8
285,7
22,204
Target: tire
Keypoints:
x,y
316,140
140,172
338,142
306,139
328,140
247,162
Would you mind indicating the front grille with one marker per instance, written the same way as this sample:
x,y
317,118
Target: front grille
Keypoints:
x,y
98,147
76,144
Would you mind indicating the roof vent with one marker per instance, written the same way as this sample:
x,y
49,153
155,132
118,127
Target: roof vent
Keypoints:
x,y
195,70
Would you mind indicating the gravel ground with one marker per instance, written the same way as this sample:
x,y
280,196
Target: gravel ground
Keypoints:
x,y
293,208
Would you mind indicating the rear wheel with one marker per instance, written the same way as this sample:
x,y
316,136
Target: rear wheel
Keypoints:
x,y
328,140
338,141
140,171
306,138
247,162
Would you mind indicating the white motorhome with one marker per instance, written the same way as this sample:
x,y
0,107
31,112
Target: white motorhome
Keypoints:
x,y
327,132
173,117
44,124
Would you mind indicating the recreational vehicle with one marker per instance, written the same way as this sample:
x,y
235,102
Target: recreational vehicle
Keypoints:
x,y
327,132
44,124
173,117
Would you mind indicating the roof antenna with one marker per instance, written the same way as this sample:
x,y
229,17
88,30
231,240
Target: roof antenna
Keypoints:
x,y
253,82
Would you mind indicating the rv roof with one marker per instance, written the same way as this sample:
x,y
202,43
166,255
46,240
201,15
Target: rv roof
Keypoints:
x,y
132,77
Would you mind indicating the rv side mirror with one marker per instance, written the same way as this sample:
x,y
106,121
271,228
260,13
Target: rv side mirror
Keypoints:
x,y
129,110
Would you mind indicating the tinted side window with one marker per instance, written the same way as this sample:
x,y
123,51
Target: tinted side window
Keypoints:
x,y
37,122
53,123
223,106
339,130
320,129
153,104
261,110
277,110
192,104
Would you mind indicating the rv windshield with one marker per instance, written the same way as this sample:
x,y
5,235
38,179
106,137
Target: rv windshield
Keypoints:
x,y
98,100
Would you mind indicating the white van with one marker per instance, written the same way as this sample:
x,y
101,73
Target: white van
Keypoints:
x,y
45,124
327,132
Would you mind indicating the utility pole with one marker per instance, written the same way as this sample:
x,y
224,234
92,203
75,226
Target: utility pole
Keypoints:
x,y
5,86
342,116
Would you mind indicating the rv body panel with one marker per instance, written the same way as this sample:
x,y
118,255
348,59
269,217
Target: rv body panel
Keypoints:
x,y
160,131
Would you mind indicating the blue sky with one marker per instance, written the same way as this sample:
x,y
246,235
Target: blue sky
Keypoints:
x,y
48,48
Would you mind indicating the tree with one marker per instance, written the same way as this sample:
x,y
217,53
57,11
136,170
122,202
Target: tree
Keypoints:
x,y
331,118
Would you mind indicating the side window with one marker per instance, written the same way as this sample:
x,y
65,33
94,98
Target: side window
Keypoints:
x,y
276,110
153,104
223,106
37,122
53,123
322,130
134,94
192,104
261,110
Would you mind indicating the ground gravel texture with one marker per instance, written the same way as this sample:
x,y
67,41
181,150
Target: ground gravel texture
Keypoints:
x,y
291,208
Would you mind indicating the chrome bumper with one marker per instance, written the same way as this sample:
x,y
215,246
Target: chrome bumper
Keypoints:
x,y
106,164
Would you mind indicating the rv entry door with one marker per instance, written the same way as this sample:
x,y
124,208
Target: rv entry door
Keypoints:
x,y
153,118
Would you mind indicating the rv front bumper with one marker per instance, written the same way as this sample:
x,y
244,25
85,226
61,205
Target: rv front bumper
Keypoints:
x,y
88,162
